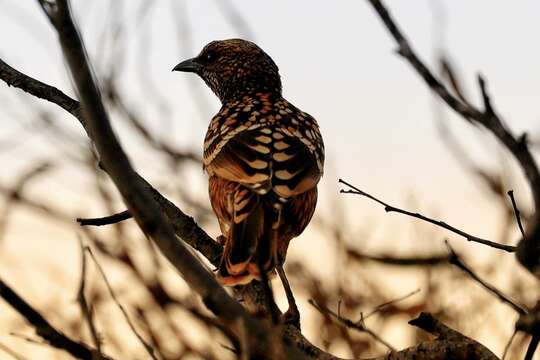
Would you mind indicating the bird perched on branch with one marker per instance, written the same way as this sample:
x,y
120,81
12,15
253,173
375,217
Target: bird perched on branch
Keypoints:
x,y
264,158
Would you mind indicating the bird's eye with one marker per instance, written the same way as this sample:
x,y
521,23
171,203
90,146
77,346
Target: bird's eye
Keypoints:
x,y
210,56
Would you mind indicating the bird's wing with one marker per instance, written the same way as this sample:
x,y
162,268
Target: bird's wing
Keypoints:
x,y
285,155
245,158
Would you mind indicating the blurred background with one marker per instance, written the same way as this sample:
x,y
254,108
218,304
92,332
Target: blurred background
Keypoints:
x,y
383,130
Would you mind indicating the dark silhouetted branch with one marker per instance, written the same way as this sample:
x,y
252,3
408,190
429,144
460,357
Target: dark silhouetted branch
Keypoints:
x,y
449,344
146,346
41,90
388,303
140,202
516,212
390,208
433,260
14,194
81,298
530,323
533,345
508,345
106,220
11,352
454,259
44,329
359,325
528,249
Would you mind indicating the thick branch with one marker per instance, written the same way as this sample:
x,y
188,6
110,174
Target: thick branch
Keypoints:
x,y
358,325
140,202
184,226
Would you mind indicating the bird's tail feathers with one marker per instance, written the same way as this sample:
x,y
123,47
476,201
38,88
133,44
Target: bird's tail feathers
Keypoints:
x,y
252,245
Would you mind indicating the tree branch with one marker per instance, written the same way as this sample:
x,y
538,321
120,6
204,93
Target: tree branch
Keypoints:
x,y
528,249
106,220
390,208
44,329
454,259
358,325
140,202
433,260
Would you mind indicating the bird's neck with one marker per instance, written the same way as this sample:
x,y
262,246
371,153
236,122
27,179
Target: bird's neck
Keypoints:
x,y
239,88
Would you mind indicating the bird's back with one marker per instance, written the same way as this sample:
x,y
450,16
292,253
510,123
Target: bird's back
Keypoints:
x,y
265,158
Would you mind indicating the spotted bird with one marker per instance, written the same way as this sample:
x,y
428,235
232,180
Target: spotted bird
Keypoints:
x,y
264,158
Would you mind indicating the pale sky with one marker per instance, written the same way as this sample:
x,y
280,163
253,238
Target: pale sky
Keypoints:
x,y
337,63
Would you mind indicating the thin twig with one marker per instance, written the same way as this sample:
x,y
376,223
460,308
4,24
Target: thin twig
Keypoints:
x,y
81,298
106,220
359,326
508,344
11,353
391,302
516,212
532,347
432,260
13,196
390,208
146,346
528,250
29,339
454,259
448,71
43,328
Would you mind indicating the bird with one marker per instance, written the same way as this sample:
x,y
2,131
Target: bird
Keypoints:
x,y
264,158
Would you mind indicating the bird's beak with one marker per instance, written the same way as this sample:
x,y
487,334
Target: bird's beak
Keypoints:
x,y
189,65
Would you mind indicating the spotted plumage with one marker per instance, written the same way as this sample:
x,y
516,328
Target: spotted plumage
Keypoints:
x,y
264,158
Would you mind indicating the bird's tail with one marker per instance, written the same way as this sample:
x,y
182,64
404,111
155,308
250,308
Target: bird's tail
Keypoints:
x,y
251,244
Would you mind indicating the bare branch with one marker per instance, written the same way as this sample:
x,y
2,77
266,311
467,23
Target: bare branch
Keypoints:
x,y
454,259
449,345
359,325
13,195
146,346
516,212
106,220
43,328
532,347
508,344
41,90
140,202
388,303
390,208
81,298
11,353
184,226
530,323
528,250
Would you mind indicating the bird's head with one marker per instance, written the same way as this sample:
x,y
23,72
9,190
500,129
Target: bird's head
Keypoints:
x,y
234,68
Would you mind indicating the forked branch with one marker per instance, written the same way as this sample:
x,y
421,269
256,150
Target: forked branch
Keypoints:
x,y
528,249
